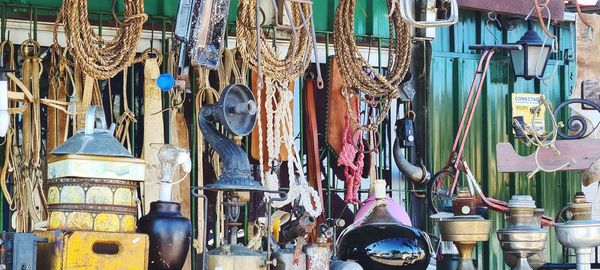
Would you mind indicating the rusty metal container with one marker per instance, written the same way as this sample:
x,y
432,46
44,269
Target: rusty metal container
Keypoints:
x,y
93,180
92,251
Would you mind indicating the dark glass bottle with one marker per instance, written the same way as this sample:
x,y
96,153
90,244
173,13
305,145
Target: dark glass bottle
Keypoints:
x,y
381,242
170,235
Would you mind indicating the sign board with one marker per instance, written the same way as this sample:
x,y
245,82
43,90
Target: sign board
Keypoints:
x,y
529,108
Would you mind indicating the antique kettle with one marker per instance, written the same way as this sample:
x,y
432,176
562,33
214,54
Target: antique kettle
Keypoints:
x,y
104,176
380,241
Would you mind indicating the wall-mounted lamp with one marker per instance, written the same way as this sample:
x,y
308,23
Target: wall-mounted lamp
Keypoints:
x,y
530,62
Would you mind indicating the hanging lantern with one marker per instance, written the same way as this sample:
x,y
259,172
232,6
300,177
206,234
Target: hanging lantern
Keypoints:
x,y
530,62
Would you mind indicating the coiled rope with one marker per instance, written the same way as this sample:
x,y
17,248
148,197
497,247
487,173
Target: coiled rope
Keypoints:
x,y
380,88
97,57
296,59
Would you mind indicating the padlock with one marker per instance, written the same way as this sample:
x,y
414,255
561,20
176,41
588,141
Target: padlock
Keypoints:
x,y
405,131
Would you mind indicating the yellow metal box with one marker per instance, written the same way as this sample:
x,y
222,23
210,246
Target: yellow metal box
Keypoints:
x,y
92,251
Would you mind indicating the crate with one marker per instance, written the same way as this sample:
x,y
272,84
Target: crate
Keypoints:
x,y
92,251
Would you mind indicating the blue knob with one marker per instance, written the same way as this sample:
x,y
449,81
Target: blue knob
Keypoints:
x,y
165,81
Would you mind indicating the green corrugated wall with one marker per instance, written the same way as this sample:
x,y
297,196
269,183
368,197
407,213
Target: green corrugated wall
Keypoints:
x,y
452,68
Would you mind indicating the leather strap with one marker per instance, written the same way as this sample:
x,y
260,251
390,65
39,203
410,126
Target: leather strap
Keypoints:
x,y
337,109
205,95
57,119
312,137
153,131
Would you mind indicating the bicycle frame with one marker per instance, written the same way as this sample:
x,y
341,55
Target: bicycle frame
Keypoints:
x,y
456,163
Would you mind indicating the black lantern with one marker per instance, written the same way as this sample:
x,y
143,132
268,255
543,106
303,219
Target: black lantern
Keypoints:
x,y
530,62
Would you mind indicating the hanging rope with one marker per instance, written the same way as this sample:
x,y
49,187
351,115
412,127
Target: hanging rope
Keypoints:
x,y
352,65
97,57
541,139
261,55
278,72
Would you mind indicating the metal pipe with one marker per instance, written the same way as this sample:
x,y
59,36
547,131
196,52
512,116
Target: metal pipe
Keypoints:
x,y
417,175
282,197
583,258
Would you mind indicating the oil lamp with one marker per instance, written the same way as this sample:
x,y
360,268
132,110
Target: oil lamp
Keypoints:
x,y
581,232
524,237
465,229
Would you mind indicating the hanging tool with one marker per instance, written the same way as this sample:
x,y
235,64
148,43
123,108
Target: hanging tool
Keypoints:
x,y
201,26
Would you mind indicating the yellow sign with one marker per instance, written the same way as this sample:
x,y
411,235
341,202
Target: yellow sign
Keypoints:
x,y
532,112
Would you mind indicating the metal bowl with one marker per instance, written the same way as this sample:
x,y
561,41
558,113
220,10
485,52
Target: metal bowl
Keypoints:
x,y
465,230
578,233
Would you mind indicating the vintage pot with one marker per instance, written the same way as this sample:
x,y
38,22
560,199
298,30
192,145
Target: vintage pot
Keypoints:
x,y
170,235
93,180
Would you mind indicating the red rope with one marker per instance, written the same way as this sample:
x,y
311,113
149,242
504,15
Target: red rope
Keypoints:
x,y
353,162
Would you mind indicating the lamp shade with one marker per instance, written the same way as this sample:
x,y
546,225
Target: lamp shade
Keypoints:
x,y
531,61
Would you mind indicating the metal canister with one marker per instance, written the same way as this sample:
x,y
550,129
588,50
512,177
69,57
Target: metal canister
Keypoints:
x,y
93,181
285,260
318,256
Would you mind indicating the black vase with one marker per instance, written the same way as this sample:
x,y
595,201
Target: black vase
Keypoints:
x,y
381,242
170,235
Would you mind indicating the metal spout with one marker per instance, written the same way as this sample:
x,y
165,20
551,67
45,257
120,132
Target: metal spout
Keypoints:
x,y
416,174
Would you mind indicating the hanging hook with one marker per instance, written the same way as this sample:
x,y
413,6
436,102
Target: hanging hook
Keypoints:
x,y
590,30
151,32
492,18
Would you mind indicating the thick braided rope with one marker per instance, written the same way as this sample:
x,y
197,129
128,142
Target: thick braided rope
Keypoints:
x,y
352,65
297,58
97,57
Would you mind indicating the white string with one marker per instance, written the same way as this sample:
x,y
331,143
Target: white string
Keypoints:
x,y
541,140
280,130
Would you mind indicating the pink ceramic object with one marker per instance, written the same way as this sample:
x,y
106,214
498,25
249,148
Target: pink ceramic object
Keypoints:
x,y
393,207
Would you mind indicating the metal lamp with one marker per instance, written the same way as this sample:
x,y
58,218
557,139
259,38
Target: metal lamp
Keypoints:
x,y
531,61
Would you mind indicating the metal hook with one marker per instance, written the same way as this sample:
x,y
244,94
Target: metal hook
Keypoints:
x,y
30,21
151,32
311,30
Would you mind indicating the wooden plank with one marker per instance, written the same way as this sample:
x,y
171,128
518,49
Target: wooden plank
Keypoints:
x,y
517,8
583,152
